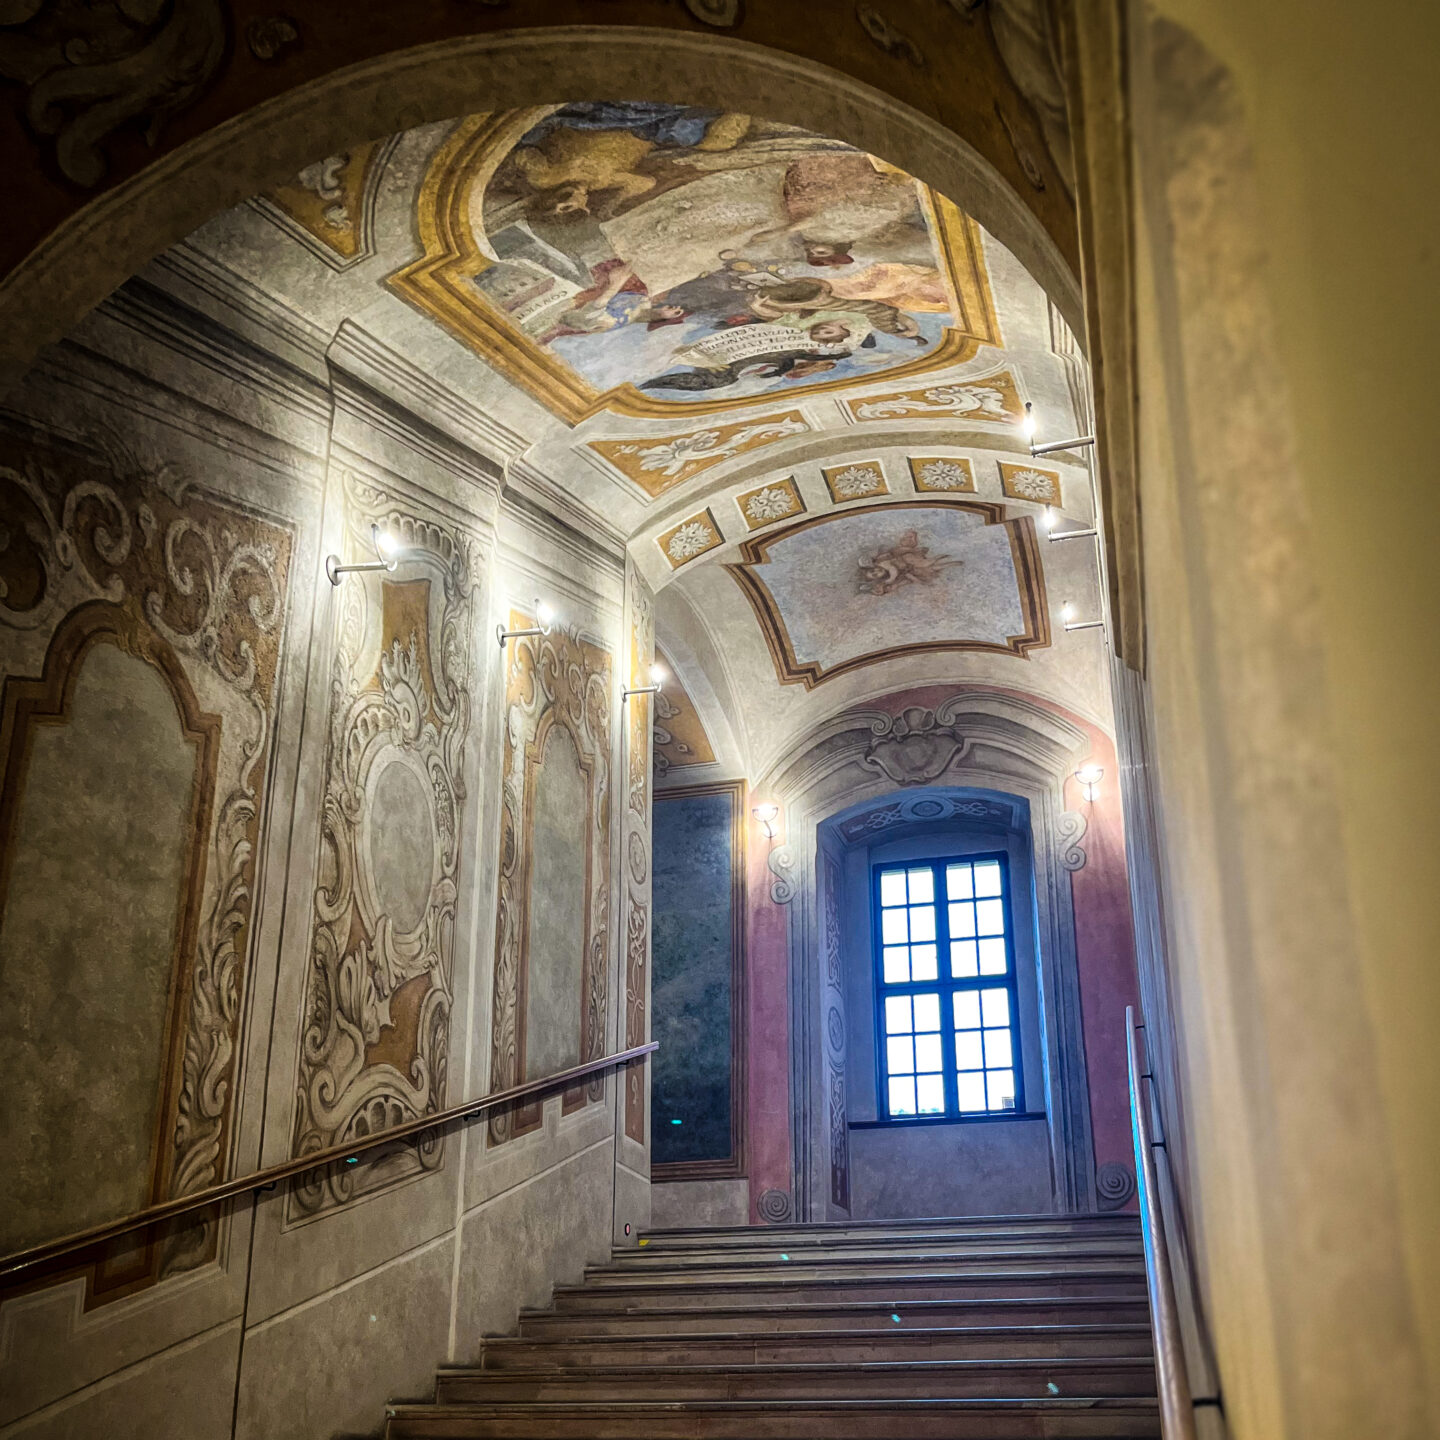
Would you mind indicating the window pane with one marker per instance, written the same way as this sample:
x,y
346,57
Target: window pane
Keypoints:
x,y
967,1050
893,928
902,1096
987,877
922,887
900,1055
1001,1087
992,956
897,1014
897,965
923,962
990,915
971,1090
962,959
962,919
927,1053
995,1007
922,922
997,1049
967,1010
957,882
931,1090
927,1012
892,887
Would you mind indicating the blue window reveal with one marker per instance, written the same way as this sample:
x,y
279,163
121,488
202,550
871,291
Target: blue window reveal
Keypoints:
x,y
946,1012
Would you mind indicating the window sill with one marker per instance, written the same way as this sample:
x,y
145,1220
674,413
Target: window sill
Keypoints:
x,y
1004,1117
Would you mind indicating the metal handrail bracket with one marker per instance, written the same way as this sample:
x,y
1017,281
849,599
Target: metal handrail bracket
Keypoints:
x,y
26,1260
1177,1408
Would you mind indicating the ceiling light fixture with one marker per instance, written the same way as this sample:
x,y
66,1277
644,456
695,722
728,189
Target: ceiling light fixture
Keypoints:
x,y
657,679
1090,776
1028,428
544,622
387,556
767,814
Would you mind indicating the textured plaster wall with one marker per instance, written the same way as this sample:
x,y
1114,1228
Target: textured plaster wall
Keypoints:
x,y
314,1307
1282,162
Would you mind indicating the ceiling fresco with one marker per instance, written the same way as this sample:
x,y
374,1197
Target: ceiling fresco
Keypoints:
x,y
653,259
840,591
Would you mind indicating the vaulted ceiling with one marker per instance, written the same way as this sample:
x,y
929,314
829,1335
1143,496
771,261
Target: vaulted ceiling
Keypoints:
x,y
785,374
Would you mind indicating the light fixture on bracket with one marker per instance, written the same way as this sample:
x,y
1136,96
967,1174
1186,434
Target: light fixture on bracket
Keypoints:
x,y
1067,617
387,557
1090,775
767,814
1027,426
1050,518
657,679
544,623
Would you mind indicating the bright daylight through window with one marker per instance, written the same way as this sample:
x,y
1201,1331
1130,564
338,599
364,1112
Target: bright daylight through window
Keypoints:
x,y
945,978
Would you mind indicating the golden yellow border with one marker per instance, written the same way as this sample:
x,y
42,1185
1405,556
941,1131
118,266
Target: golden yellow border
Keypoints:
x,y
439,284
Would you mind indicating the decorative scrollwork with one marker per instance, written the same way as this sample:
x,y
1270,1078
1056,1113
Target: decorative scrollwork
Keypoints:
x,y
774,1207
781,863
1114,1185
1070,831
93,69
374,1048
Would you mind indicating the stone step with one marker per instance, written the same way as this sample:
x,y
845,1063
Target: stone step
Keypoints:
x,y
864,1252
1052,1226
768,1288
1081,1418
815,1346
875,1380
897,1267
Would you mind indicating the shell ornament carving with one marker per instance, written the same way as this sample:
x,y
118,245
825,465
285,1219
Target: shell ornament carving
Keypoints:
x,y
1114,1185
774,1207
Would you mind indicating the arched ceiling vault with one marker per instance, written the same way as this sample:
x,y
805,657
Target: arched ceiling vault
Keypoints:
x,y
780,371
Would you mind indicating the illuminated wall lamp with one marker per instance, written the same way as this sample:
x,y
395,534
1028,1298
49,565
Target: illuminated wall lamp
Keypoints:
x,y
1027,426
544,621
1051,518
767,814
657,679
1090,777
387,557
1067,616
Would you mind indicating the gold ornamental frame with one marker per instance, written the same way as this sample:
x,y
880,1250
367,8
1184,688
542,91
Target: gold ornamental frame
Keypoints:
x,y
439,284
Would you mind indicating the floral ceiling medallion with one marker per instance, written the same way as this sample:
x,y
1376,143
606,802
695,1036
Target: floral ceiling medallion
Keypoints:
x,y
947,475
857,481
1025,482
775,500
690,538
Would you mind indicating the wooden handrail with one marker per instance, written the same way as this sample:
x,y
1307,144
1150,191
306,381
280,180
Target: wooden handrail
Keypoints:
x,y
1177,1408
23,1260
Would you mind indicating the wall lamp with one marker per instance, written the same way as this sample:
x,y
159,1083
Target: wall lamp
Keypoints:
x,y
1067,616
657,679
387,557
1050,519
544,622
1090,777
1027,425
767,814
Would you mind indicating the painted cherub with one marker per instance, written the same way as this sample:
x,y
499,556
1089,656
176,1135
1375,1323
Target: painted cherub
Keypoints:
x,y
906,562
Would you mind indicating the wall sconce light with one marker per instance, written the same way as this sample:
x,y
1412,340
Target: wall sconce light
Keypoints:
x,y
657,679
544,621
767,814
1028,427
1090,777
1051,518
387,557
1067,616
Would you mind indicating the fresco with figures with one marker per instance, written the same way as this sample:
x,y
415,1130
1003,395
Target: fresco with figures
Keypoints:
x,y
693,255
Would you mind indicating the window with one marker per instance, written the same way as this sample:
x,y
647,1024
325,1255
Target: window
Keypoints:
x,y
945,989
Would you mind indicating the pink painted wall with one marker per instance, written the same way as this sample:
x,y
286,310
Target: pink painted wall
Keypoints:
x,y
1104,934
767,1057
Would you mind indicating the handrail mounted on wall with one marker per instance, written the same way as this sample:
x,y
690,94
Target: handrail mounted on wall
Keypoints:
x,y
1177,1408
24,1260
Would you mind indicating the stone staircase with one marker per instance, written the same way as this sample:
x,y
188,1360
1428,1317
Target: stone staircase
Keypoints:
x,y
983,1329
